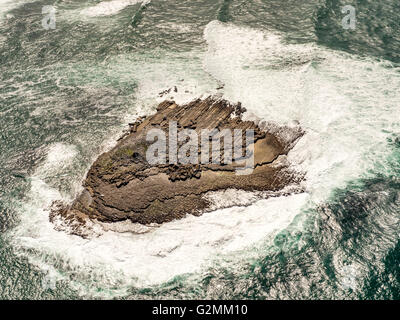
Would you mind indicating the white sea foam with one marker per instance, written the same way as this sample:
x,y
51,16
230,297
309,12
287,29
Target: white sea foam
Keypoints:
x,y
109,8
345,104
154,73
7,5
153,256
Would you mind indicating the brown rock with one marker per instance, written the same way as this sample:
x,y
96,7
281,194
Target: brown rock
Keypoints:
x,y
122,185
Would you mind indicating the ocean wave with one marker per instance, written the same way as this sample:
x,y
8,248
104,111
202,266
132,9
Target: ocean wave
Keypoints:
x,y
109,8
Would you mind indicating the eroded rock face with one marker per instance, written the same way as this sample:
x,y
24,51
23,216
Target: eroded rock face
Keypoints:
x,y
123,185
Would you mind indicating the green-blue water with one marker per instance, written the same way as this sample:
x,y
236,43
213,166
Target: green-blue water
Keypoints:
x,y
67,93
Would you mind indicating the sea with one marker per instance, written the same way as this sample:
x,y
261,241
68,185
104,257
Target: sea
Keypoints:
x,y
74,73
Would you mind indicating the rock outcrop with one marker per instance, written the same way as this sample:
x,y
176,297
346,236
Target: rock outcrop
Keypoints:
x,y
123,185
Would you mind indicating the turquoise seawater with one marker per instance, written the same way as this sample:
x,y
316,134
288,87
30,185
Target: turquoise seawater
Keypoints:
x,y
67,93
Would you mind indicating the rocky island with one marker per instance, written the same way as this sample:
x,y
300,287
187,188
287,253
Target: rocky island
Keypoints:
x,y
123,184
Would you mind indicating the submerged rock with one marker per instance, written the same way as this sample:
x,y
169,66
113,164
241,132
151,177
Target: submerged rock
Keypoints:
x,y
123,185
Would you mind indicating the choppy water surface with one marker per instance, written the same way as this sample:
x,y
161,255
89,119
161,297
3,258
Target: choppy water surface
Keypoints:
x,y
67,93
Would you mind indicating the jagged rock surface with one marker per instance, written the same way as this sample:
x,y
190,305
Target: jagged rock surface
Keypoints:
x,y
122,185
